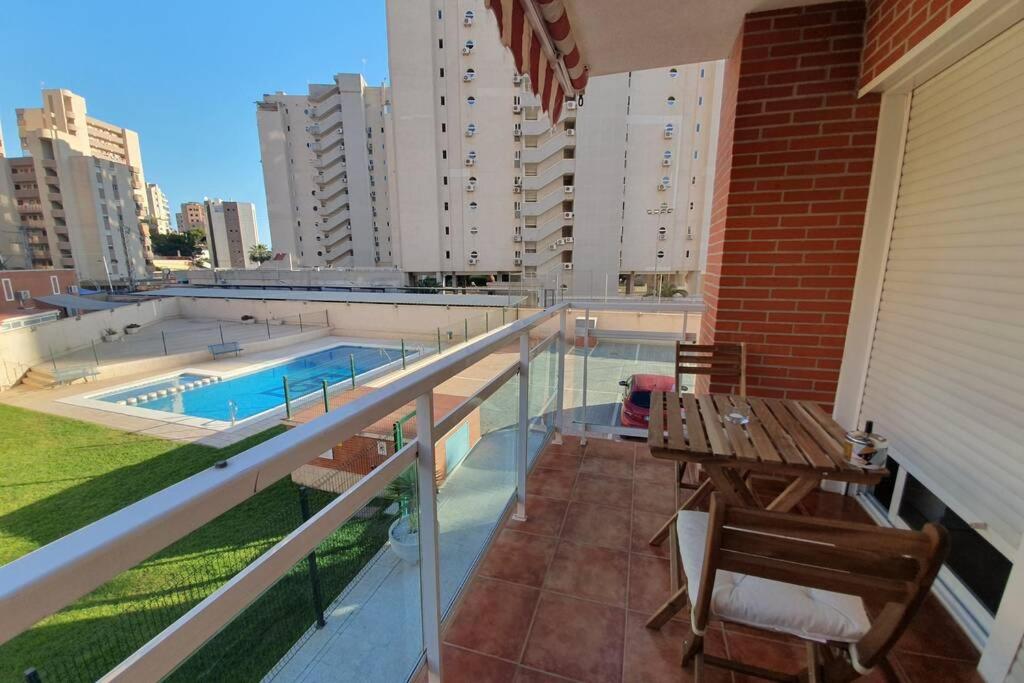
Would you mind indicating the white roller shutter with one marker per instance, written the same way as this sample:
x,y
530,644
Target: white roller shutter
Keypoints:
x,y
946,375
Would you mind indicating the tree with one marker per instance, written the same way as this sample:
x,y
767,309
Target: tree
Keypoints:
x,y
668,290
260,253
180,244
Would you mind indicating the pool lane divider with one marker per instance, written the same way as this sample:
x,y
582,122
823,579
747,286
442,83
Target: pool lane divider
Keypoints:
x,y
161,393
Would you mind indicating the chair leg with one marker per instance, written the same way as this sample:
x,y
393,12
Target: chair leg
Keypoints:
x,y
694,645
659,537
669,609
702,493
698,668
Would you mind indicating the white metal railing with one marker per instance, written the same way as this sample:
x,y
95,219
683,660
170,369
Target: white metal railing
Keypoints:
x,y
52,577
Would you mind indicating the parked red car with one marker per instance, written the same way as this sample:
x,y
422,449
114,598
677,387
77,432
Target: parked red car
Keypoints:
x,y
636,399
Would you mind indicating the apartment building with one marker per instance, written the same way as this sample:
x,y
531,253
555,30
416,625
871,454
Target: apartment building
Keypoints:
x,y
159,210
192,217
64,116
232,232
325,169
613,197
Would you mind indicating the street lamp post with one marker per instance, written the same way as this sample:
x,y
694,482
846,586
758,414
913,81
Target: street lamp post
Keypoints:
x,y
106,268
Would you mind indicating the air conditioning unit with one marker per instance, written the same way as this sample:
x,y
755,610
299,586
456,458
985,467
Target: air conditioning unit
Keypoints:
x,y
552,247
470,187
516,189
72,289
689,234
559,242
571,132
516,108
23,295
519,213
567,266
570,105
517,79
467,50
376,259
568,189
470,161
517,262
666,162
470,132
517,238
472,261
568,215
662,237
467,21
466,78
517,132
568,240
662,186
669,133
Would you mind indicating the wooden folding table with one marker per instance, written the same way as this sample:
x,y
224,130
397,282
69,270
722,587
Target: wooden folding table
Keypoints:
x,y
792,440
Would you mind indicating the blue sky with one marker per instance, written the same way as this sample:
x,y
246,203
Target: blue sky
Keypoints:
x,y
185,75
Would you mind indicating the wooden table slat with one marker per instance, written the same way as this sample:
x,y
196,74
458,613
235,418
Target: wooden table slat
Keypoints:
x,y
783,443
713,426
655,428
676,438
766,450
825,420
828,444
734,432
694,426
808,448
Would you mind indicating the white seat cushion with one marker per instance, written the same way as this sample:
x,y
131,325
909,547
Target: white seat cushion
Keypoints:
x,y
803,612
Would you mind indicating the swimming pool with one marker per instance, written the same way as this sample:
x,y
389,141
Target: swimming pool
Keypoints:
x,y
263,389
140,392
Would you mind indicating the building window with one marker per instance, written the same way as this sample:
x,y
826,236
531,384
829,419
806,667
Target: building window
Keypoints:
x,y
661,254
445,180
447,254
471,100
8,290
472,206
696,154
444,154
442,104
54,284
700,101
440,43
702,72
474,254
447,230
671,101
446,206
442,72
673,73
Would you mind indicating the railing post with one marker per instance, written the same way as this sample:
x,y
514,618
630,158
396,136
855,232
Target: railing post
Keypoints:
x,y
503,316
163,338
96,356
523,442
430,558
586,357
300,322
403,354
352,368
314,573
465,329
287,399
487,322
439,341
268,327
327,401
560,396
53,360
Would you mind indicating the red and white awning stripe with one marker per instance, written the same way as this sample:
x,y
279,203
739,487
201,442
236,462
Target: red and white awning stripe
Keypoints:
x,y
518,35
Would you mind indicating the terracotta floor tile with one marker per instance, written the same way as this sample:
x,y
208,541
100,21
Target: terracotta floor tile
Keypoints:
x,y
649,585
591,488
587,571
770,654
494,618
577,639
645,524
934,632
524,675
462,665
924,669
520,558
655,497
609,448
621,467
653,656
597,525
543,516
650,468
551,483
834,506
554,460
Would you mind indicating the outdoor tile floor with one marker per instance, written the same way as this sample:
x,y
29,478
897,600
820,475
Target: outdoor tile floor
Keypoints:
x,y
565,595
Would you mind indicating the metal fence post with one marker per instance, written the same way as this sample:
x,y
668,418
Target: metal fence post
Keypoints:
x,y
300,322
221,328
163,338
403,354
503,316
352,368
95,356
287,398
560,396
53,361
430,560
327,401
465,329
523,444
487,322
439,341
314,573
268,328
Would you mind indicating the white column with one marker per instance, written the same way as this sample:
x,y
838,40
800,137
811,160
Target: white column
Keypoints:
x,y
523,442
560,395
430,559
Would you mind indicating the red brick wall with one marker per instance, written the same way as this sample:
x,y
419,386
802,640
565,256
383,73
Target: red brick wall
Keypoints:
x,y
37,282
896,26
786,248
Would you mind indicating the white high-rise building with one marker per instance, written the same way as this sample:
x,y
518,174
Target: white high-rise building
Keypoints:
x,y
613,197
232,232
158,208
326,174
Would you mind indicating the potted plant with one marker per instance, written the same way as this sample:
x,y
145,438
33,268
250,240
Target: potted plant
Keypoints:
x,y
132,328
404,532
111,335
248,320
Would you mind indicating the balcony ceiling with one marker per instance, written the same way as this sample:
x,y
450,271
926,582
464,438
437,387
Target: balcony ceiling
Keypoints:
x,y
616,36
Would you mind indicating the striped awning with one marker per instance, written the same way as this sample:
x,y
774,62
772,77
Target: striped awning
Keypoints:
x,y
551,82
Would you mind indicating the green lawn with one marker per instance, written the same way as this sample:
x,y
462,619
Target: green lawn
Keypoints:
x,y
57,475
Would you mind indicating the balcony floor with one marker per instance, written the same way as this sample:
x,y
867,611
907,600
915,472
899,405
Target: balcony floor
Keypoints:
x,y
564,595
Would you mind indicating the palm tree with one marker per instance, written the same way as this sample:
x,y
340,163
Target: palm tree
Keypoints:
x,y
260,253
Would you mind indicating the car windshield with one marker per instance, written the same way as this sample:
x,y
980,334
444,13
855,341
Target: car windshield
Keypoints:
x,y
641,399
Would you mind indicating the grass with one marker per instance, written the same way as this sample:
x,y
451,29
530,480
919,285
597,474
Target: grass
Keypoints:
x,y
58,475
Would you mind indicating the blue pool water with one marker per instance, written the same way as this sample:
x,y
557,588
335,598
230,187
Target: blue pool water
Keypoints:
x,y
262,390
142,389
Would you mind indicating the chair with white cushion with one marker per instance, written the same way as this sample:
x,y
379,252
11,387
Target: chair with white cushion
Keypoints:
x,y
802,576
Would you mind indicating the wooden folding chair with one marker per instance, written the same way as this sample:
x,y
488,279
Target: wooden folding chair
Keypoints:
x,y
803,576
723,362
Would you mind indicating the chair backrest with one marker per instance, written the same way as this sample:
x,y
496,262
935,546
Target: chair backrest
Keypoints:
x,y
892,566
722,361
